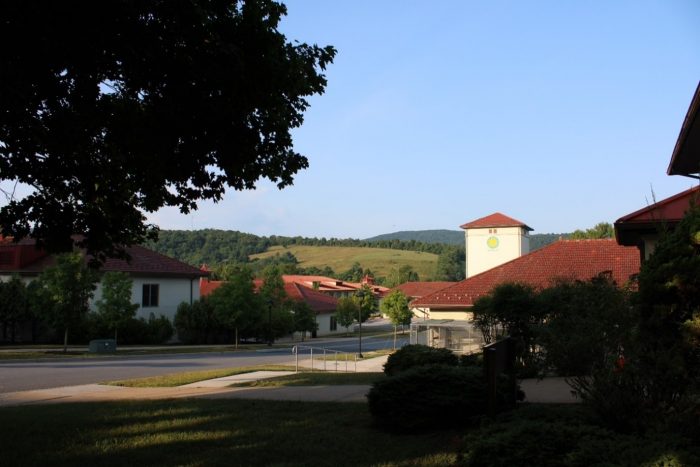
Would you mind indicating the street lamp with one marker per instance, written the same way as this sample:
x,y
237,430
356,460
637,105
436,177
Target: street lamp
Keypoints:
x,y
360,296
269,322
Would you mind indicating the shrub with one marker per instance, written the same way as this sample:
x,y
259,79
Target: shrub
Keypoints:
x,y
475,360
564,436
411,356
428,397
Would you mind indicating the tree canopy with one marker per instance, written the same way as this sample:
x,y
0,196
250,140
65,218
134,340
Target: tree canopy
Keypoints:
x,y
114,109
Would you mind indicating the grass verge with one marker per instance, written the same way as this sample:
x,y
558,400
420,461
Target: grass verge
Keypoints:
x,y
316,379
20,353
198,432
178,379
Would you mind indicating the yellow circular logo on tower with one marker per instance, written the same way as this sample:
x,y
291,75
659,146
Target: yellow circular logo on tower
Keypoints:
x,y
492,242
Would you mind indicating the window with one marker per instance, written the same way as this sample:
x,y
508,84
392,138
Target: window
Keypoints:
x,y
150,295
334,323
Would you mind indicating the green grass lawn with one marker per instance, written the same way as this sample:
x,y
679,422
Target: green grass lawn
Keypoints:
x,y
380,260
27,352
211,433
241,432
178,379
317,378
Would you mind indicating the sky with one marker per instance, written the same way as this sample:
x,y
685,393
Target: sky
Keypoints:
x,y
560,114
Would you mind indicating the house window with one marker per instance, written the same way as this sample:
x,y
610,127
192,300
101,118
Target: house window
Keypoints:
x,y
334,323
150,295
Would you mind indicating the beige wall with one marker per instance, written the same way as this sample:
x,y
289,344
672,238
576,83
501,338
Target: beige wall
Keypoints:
x,y
421,314
491,247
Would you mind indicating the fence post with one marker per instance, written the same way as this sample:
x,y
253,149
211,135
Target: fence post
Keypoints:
x,y
296,359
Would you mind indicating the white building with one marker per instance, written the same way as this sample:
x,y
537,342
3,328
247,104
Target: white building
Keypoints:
x,y
160,283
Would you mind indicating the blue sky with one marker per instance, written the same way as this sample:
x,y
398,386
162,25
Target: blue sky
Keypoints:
x,y
561,114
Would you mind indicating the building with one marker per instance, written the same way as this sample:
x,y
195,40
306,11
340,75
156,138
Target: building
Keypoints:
x,y
449,309
643,228
323,304
494,240
160,283
416,290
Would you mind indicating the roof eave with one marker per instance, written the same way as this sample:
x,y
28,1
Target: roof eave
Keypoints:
x,y
685,158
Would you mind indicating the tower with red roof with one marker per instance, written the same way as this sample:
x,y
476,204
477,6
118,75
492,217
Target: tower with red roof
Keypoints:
x,y
493,240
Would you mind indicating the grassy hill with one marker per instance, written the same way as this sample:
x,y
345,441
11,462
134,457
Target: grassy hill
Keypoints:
x,y
380,260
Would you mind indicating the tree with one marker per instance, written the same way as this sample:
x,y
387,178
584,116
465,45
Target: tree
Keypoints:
x,y
236,305
346,311
196,323
395,306
600,230
68,286
304,318
115,306
354,274
112,110
588,326
510,310
401,275
275,299
450,265
365,299
14,304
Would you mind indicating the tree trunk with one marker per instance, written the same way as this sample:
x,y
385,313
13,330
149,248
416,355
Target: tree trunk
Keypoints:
x,y
236,338
65,341
115,336
394,337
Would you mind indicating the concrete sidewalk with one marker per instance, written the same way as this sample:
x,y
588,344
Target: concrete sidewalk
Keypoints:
x,y
214,388
550,390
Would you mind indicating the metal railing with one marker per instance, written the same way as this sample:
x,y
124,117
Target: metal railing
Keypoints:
x,y
322,355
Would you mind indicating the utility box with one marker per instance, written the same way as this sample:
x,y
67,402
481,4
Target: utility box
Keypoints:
x,y
102,346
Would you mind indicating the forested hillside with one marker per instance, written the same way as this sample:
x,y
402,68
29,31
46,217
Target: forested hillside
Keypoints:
x,y
227,248
456,237
449,237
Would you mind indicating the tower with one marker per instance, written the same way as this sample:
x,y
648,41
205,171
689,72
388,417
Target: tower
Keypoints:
x,y
494,240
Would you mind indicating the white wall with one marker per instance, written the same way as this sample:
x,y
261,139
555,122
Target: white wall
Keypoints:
x,y
324,325
171,292
491,247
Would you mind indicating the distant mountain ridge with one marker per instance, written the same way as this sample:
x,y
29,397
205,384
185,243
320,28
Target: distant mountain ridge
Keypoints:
x,y
456,237
450,237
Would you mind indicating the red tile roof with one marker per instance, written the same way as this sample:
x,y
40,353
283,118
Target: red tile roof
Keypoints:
x,y
143,262
654,218
318,301
494,220
420,289
669,209
564,259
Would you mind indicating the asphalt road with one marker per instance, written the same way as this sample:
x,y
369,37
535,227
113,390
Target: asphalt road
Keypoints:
x,y
16,375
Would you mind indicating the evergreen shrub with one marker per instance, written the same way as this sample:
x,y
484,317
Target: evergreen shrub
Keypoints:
x,y
411,356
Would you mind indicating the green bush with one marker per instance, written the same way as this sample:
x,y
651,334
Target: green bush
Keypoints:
x,y
565,436
411,356
428,397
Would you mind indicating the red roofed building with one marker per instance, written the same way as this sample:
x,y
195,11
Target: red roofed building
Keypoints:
x,y
300,288
561,260
160,283
642,228
415,290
